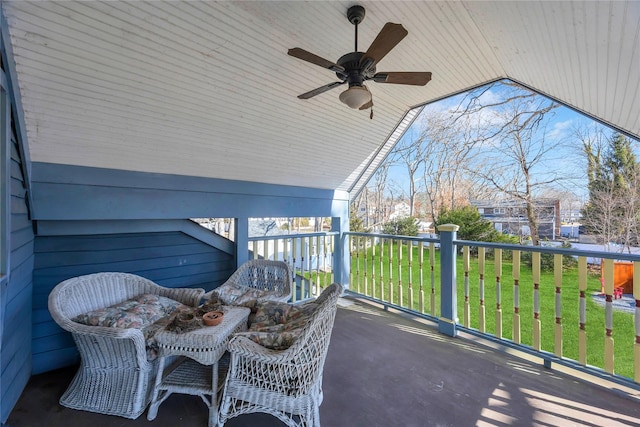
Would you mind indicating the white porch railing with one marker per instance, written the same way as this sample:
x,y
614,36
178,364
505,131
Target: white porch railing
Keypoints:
x,y
542,300
310,257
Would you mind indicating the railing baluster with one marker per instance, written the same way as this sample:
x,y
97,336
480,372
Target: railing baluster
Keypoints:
x,y
324,260
481,314
557,274
294,247
636,318
421,276
267,246
466,318
582,332
382,269
332,245
304,263
608,339
537,326
373,267
399,261
410,267
365,268
432,263
355,278
498,270
390,255
515,273
317,253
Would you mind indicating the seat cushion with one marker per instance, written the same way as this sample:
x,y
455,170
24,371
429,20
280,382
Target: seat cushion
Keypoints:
x,y
138,312
236,294
278,325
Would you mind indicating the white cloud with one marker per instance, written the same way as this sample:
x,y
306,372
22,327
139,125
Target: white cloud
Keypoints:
x,y
560,130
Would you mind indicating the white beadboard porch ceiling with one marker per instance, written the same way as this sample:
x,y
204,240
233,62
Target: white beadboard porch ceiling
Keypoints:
x,y
207,88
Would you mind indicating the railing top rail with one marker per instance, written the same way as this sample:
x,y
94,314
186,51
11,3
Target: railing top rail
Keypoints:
x,y
292,236
394,236
508,246
552,250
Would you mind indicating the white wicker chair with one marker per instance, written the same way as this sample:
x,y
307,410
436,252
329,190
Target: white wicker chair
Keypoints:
x,y
115,376
286,383
266,275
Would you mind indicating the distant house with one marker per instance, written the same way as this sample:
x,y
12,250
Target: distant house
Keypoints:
x,y
400,210
510,216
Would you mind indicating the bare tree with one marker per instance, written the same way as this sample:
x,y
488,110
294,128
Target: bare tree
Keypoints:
x,y
604,224
446,145
379,187
410,154
514,149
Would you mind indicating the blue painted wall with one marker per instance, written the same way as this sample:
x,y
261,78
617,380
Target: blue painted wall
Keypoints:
x,y
63,192
169,258
15,353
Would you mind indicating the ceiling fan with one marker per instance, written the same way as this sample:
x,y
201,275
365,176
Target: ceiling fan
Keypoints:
x,y
356,67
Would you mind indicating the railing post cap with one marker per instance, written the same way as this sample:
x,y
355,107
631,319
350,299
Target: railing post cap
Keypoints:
x,y
448,227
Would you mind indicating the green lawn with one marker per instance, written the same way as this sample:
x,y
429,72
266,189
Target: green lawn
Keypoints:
x,y
623,324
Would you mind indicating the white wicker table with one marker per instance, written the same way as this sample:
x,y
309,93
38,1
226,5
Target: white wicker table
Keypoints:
x,y
197,373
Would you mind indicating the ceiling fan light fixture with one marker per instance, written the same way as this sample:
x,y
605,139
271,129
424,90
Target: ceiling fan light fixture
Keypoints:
x,y
355,97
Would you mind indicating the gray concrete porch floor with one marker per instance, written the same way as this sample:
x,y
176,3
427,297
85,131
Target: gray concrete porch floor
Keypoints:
x,y
385,369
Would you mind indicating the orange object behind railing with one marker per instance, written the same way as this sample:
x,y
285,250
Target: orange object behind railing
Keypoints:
x,y
622,276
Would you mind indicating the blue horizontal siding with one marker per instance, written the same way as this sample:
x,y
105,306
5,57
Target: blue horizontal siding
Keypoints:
x,y
169,258
63,192
48,361
15,357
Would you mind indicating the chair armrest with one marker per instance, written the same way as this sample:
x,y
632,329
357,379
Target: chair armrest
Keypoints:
x,y
242,346
188,296
104,331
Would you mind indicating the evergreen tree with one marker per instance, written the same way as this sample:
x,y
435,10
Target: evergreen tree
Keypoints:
x,y
472,225
613,210
401,227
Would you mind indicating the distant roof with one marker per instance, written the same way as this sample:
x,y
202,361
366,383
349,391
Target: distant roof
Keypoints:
x,y
512,203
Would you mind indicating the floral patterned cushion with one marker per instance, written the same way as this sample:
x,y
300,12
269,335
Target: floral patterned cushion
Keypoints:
x,y
147,312
235,294
137,312
277,325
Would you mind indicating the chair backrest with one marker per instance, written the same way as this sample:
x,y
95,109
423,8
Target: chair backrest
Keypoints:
x,y
263,274
310,349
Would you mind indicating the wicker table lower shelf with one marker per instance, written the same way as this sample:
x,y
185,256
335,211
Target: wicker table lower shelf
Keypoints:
x,y
203,363
191,377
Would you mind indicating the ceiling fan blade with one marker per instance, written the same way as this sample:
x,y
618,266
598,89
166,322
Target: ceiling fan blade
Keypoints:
x,y
315,59
390,35
403,78
320,90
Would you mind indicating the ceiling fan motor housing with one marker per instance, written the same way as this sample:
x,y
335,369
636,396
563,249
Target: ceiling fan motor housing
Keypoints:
x,y
354,69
